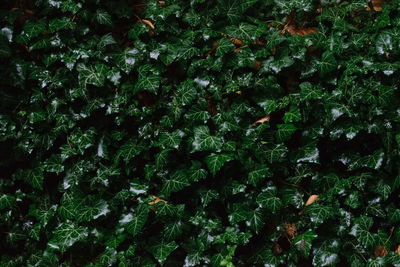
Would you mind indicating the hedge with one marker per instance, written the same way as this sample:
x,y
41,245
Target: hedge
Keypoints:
x,y
199,133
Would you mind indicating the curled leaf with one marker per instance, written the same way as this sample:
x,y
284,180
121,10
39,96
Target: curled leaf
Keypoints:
x,y
311,200
262,120
380,251
156,200
148,23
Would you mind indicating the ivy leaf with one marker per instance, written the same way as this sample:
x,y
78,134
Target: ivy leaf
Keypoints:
x,y
284,132
103,17
203,141
256,220
133,223
35,178
303,242
94,75
66,235
171,140
177,182
162,250
224,46
216,161
257,175
309,92
187,92
6,201
269,200
276,154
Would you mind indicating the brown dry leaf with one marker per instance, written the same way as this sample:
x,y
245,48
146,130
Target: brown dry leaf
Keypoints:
x,y
276,249
162,3
257,65
380,251
148,23
259,42
262,120
398,249
290,229
292,28
156,200
377,5
311,200
212,50
239,48
236,41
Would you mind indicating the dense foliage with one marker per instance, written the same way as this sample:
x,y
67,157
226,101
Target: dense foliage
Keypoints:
x,y
199,133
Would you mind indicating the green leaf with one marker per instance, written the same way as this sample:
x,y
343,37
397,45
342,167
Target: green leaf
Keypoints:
x,y
177,182
94,75
284,132
256,220
35,178
268,200
308,91
103,17
203,141
133,223
162,250
276,154
186,92
6,201
319,213
257,175
58,24
171,140
66,235
216,161
303,242
224,46
129,150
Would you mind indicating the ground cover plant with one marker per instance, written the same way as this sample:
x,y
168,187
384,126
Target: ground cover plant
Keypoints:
x,y
199,133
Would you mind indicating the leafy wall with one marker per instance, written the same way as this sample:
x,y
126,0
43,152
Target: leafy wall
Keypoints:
x,y
199,133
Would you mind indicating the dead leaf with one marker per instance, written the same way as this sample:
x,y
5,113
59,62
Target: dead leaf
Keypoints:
x,y
262,120
236,41
162,3
259,42
311,200
211,105
398,249
292,28
156,200
257,65
380,251
377,5
212,50
148,23
239,48
290,229
276,249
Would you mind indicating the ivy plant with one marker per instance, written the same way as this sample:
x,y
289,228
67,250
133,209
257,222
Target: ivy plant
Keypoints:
x,y
199,133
